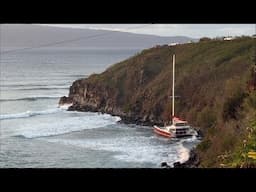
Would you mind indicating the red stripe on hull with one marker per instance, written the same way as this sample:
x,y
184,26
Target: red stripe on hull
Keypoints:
x,y
162,132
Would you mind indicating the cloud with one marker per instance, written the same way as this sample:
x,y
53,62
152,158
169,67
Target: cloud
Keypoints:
x,y
237,31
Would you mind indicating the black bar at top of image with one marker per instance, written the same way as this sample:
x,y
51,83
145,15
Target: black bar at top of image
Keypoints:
x,y
131,12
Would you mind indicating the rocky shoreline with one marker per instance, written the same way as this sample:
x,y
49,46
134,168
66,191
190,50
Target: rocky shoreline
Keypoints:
x,y
86,95
193,160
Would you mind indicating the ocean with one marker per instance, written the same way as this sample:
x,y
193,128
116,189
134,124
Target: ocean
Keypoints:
x,y
36,133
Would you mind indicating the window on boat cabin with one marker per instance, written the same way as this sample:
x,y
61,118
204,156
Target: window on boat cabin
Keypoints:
x,y
180,124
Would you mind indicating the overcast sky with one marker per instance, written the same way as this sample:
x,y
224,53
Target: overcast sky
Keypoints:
x,y
190,30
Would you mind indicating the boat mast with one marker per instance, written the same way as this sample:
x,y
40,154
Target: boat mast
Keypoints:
x,y
173,76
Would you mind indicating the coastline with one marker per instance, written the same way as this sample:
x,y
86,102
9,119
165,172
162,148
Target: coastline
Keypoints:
x,y
125,118
192,160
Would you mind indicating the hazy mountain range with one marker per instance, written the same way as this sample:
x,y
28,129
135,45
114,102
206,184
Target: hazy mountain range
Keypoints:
x,y
27,35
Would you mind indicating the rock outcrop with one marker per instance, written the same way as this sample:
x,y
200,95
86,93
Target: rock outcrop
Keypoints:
x,y
192,162
87,96
65,100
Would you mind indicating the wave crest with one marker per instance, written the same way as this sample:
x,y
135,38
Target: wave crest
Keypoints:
x,y
86,120
34,98
29,114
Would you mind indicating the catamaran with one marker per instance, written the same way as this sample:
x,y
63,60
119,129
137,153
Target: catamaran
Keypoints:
x,y
178,127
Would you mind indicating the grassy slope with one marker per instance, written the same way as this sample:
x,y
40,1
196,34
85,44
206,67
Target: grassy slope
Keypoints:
x,y
211,80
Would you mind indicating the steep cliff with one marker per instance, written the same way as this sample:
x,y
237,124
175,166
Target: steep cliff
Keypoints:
x,y
215,82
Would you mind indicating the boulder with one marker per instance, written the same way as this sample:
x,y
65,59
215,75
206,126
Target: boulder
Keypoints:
x,y
165,165
65,100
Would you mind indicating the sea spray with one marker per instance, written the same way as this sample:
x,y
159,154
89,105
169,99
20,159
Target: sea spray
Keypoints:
x,y
75,121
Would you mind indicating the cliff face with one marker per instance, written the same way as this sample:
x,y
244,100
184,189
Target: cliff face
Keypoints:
x,y
212,80
125,89
87,95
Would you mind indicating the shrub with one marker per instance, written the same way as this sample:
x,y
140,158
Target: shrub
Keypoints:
x,y
231,105
207,118
251,101
205,39
127,107
204,145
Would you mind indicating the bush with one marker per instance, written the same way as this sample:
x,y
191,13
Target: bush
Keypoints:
x,y
251,101
207,118
205,39
127,107
231,105
229,142
204,145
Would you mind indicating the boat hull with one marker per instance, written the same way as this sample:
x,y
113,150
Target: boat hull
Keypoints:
x,y
162,132
168,134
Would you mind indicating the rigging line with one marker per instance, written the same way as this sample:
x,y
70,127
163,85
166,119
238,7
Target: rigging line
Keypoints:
x,y
71,40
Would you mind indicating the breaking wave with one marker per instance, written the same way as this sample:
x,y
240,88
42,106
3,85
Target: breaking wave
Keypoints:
x,y
34,98
183,153
38,88
29,114
67,125
139,149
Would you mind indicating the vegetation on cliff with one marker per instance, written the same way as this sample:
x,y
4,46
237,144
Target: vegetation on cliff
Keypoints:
x,y
215,82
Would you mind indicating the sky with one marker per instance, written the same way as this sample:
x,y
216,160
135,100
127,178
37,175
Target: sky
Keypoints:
x,y
190,30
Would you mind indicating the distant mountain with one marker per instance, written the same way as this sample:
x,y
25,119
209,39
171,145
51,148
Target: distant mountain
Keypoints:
x,y
28,35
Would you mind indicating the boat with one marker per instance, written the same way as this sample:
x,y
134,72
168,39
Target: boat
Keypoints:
x,y
178,127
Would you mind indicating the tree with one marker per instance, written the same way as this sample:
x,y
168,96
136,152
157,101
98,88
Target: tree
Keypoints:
x,y
203,39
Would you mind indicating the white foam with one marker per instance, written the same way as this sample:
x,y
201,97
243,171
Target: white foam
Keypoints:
x,y
67,125
65,106
32,98
183,153
189,139
29,114
129,149
6,88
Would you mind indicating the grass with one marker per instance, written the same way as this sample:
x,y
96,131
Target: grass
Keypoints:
x,y
240,157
